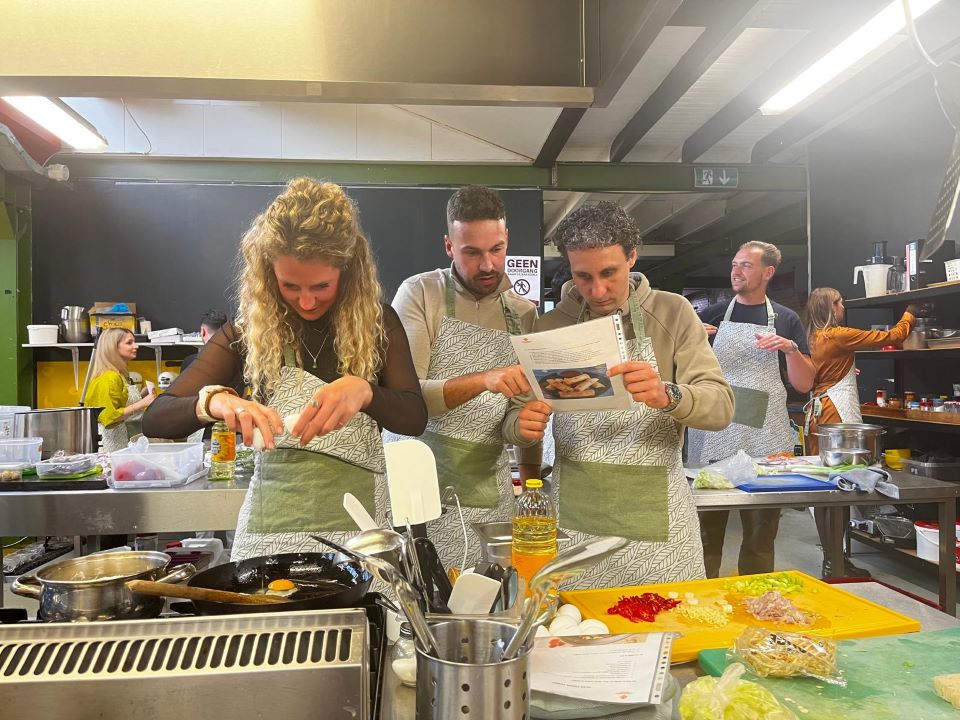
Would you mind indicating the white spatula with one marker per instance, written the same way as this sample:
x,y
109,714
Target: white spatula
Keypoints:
x,y
358,512
412,482
473,594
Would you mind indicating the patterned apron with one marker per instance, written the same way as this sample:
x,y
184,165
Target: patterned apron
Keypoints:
x,y
761,425
620,473
296,492
466,441
117,437
845,398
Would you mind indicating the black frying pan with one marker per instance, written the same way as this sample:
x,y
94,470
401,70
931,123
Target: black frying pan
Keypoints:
x,y
323,582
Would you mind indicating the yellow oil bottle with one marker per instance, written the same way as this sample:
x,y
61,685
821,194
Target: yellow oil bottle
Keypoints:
x,y
534,531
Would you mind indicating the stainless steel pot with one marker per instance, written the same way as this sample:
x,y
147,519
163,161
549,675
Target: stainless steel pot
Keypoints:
x,y
75,324
851,436
73,430
93,588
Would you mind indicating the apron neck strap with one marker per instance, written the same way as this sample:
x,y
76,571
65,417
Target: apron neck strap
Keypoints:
x,y
636,315
771,315
510,318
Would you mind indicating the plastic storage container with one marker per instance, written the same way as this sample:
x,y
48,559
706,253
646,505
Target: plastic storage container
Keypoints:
x,y
24,450
160,465
928,542
42,334
7,416
66,466
12,472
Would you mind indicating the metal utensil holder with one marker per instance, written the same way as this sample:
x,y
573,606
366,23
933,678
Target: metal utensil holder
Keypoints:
x,y
468,680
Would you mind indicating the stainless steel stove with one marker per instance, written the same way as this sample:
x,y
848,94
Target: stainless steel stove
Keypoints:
x,y
274,666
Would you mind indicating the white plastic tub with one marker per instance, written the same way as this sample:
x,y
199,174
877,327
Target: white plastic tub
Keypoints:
x,y
928,541
42,334
164,463
23,450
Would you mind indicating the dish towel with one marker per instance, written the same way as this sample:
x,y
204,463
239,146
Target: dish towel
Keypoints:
x,y
866,480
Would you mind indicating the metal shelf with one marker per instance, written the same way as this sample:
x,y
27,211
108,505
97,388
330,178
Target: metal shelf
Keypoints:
x,y
74,349
928,353
904,298
933,425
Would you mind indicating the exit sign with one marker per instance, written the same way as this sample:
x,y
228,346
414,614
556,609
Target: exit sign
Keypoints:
x,y
716,177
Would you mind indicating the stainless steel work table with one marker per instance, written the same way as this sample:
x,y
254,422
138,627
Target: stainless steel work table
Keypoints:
x,y
913,489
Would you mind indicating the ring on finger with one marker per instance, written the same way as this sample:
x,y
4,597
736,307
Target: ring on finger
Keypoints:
x,y
239,410
314,404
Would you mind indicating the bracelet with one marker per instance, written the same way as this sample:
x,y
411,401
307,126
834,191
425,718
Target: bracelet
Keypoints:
x,y
206,395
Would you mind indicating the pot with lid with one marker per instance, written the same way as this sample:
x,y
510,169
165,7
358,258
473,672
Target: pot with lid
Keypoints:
x,y
861,440
75,324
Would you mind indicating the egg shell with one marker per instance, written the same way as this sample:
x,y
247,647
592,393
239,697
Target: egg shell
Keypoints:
x,y
593,627
289,421
542,632
564,625
570,611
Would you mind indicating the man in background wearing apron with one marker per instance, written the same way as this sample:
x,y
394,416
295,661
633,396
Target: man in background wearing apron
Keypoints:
x,y
620,472
751,335
459,321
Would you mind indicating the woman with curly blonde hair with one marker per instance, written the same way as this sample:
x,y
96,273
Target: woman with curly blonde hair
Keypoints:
x,y
327,365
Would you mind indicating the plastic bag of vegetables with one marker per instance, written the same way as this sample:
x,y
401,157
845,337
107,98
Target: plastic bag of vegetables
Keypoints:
x,y
772,653
730,698
732,472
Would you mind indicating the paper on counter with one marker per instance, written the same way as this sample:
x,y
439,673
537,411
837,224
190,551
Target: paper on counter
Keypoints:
x,y
568,366
620,669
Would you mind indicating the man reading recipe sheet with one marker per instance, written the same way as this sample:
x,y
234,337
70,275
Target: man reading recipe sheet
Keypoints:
x,y
619,472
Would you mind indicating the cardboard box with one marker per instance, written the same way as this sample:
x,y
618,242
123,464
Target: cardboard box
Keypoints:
x,y
102,317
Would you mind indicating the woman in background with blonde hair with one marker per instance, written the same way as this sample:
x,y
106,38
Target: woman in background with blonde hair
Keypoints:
x,y
111,389
327,365
835,397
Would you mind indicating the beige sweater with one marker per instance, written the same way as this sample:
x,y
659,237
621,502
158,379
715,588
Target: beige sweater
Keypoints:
x,y
421,304
680,345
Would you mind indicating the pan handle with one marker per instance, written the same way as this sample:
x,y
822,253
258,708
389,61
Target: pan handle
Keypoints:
x,y
27,586
181,573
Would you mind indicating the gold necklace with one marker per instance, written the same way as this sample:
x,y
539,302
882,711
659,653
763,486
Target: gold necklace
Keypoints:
x,y
316,357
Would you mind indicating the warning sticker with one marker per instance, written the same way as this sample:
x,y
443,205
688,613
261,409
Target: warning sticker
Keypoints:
x,y
524,273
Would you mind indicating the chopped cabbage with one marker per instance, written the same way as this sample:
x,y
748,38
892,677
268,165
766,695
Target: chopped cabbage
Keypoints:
x,y
730,698
711,481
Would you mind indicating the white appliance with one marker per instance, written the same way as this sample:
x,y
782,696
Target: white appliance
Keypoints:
x,y
874,278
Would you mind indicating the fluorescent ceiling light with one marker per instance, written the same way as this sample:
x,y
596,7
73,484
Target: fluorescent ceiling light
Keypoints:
x,y
876,31
57,117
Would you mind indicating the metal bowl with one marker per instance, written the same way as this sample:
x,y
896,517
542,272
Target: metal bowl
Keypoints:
x,y
845,456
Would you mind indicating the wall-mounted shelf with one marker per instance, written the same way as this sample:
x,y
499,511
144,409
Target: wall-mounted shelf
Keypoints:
x,y
928,353
941,422
904,298
74,349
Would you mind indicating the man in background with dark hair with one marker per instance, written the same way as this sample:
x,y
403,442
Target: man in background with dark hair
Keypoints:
x,y
459,321
755,340
210,323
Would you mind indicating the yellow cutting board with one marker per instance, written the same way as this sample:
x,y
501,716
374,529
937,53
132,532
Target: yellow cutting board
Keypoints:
x,y
839,614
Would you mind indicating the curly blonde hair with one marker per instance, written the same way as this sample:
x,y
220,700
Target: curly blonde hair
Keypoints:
x,y
310,220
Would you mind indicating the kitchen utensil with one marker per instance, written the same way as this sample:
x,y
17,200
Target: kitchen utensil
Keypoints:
x,y
473,594
75,324
413,568
568,564
72,429
897,530
412,482
843,436
916,340
845,456
496,541
315,573
161,589
94,587
467,679
387,545
874,278
358,513
408,597
434,574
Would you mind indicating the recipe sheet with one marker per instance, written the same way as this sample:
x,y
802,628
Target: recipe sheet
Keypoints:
x,y
622,669
567,367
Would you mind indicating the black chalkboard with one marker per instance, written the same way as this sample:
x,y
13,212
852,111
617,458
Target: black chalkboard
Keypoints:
x,y
171,248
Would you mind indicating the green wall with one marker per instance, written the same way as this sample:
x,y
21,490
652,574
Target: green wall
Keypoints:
x,y
16,362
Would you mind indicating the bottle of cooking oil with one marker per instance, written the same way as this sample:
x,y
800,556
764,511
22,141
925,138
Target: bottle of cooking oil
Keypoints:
x,y
534,530
223,452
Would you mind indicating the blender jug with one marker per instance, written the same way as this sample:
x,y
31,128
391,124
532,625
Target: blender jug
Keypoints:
x,y
874,278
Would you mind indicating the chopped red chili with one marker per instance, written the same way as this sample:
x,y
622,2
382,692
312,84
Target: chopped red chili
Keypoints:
x,y
645,608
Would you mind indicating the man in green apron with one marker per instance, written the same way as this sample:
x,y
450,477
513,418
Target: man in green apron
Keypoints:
x,y
459,321
620,472
750,336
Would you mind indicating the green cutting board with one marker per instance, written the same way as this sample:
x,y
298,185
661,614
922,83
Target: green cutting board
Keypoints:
x,y
888,678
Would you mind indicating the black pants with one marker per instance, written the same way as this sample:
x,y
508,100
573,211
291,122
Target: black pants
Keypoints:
x,y
757,550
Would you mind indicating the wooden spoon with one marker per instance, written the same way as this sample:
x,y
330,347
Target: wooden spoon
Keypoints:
x,y
146,587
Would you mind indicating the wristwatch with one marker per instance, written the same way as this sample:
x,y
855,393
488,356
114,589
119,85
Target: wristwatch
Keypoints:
x,y
674,393
206,395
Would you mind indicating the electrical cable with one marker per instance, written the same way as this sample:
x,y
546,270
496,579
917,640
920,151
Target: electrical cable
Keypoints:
x,y
142,131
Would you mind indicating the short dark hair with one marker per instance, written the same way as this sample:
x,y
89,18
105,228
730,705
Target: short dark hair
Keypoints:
x,y
475,202
597,226
213,319
769,253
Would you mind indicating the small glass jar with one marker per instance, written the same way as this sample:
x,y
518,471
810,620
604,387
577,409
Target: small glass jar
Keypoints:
x,y
909,396
403,656
881,398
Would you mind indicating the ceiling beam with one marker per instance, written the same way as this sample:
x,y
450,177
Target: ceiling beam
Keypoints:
x,y
838,20
700,215
803,15
726,21
562,129
877,81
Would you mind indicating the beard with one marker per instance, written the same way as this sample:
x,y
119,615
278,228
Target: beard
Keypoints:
x,y
480,288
